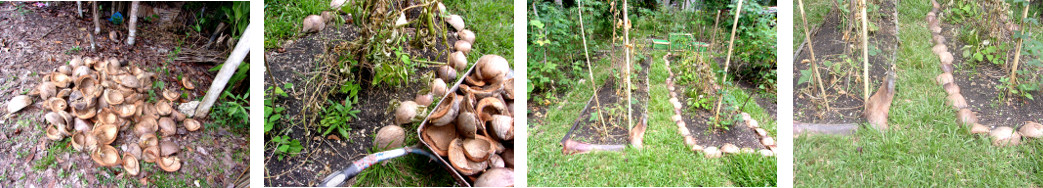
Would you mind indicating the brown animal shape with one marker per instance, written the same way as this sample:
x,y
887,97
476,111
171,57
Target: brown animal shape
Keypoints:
x,y
880,103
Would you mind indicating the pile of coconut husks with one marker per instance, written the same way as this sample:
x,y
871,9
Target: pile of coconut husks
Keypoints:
x,y
93,100
472,128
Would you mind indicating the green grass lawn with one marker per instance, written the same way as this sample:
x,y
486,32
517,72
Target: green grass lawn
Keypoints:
x,y
814,11
665,160
925,147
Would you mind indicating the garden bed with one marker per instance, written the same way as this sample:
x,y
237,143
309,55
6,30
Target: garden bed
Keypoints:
x,y
299,63
843,78
587,128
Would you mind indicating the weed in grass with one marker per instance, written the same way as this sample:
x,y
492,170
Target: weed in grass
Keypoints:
x,y
74,49
233,112
338,118
286,146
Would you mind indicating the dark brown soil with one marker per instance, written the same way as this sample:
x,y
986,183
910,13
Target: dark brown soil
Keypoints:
x,y
614,107
298,63
844,91
978,84
700,126
36,40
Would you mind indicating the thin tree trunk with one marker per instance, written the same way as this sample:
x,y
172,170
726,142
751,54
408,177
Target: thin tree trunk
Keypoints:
x,y
727,63
811,49
97,24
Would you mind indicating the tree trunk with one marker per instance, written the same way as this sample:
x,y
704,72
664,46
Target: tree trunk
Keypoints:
x,y
133,22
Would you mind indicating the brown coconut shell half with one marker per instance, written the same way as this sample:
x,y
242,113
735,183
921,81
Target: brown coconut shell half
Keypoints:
x,y
167,126
488,107
187,84
495,161
78,141
148,140
167,148
113,97
169,163
966,116
508,89
106,133
496,177
1005,136
106,156
492,68
389,137
508,157
130,164
1031,130
163,108
944,78
191,124
52,133
951,88
56,104
171,95
150,154
46,90
502,127
128,81
477,149
467,123
445,113
439,137
458,159
979,129
957,101
146,126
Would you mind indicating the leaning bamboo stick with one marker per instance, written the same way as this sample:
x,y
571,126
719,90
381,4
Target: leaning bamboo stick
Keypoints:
x,y
590,71
727,63
1017,53
242,48
865,54
811,49
626,57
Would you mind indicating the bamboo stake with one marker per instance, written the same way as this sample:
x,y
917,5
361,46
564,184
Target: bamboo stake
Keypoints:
x,y
590,69
727,63
713,38
242,48
626,57
1017,54
811,49
865,54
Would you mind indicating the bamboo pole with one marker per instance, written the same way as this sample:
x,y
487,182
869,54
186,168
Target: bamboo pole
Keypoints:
x,y
590,69
1017,53
865,54
811,49
727,63
242,48
626,57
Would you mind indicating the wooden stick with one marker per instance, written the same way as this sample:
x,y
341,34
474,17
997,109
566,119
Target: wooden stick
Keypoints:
x,y
1017,53
811,49
865,53
97,25
626,57
590,71
227,70
727,63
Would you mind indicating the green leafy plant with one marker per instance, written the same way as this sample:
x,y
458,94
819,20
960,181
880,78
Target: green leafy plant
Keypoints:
x,y
338,118
285,146
233,112
238,15
272,112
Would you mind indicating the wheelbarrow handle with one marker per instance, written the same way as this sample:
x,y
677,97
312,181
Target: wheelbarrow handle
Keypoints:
x,y
339,177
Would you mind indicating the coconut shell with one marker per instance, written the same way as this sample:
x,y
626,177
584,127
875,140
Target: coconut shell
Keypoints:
x,y
171,95
766,152
163,108
169,164
148,140
478,149
458,159
439,138
729,149
78,141
712,152
150,154
167,148
47,90
938,39
438,87
456,21
495,161
951,89
1005,136
492,68
191,124
462,46
1031,130
389,137
52,133
768,141
423,99
947,68
458,60
957,101
966,116
106,133
979,129
944,78
167,126
945,57
447,111
467,123
106,156
313,23
187,84
446,73
466,35
405,112
130,164
502,127
496,177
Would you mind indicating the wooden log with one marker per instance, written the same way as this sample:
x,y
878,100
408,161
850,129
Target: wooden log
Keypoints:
x,y
227,70
133,30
